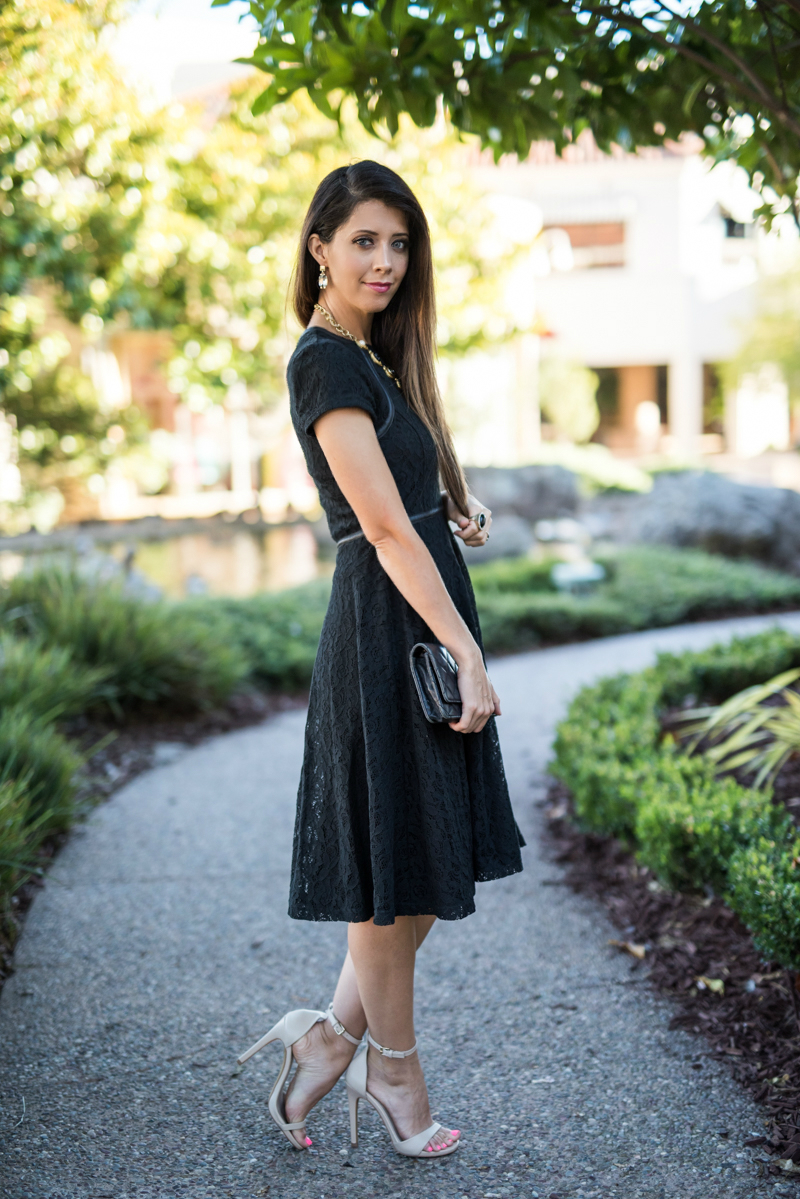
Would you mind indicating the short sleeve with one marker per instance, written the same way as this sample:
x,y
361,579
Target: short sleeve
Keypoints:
x,y
324,375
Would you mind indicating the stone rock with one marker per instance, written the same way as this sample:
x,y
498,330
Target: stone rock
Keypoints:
x,y
510,536
708,511
532,492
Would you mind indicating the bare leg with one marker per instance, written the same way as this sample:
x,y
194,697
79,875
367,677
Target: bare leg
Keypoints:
x,y
322,1056
384,957
347,1001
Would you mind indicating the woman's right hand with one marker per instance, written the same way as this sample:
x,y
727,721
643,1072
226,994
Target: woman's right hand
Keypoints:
x,y
479,699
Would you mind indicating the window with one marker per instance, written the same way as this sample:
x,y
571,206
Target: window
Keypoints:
x,y
601,243
734,228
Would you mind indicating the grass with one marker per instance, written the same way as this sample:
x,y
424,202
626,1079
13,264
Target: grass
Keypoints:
x,y
275,633
148,654
48,680
74,644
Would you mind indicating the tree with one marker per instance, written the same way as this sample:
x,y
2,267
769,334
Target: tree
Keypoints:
x,y
213,256
634,72
772,337
72,146
567,394
110,219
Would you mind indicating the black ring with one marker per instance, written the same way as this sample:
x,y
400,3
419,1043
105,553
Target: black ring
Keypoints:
x,y
480,519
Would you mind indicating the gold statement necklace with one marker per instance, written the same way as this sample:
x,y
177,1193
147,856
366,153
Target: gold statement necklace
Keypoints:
x,y
359,342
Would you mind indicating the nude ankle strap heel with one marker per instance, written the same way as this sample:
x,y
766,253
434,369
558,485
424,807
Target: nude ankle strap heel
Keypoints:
x,y
356,1080
288,1031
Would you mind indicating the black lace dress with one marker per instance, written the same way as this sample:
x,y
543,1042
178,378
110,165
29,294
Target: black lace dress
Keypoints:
x,y
395,816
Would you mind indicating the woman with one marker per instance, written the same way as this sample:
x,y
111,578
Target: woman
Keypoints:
x,y
397,818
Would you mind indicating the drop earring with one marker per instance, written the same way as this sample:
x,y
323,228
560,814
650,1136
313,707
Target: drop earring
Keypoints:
x,y
323,278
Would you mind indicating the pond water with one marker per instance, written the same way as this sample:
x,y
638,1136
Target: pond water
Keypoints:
x,y
223,561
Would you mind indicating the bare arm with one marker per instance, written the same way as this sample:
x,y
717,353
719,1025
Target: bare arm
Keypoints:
x,y
348,440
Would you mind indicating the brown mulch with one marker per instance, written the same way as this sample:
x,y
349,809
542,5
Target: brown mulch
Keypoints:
x,y
696,950
124,752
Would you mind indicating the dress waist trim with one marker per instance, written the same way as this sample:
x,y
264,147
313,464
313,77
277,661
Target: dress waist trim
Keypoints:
x,y
416,516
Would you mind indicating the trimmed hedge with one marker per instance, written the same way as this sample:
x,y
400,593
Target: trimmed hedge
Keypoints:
x,y
518,606
764,890
646,587
694,830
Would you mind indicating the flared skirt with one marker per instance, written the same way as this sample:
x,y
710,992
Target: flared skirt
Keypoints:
x,y
395,816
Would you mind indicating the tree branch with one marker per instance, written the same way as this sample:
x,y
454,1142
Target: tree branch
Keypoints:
x,y
773,52
795,4
773,162
719,45
774,9
770,102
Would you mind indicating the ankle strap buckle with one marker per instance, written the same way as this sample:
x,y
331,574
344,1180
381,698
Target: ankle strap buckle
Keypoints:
x,y
384,1052
339,1028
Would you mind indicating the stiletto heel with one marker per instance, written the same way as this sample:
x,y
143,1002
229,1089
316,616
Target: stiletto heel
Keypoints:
x,y
288,1031
352,1103
356,1079
272,1035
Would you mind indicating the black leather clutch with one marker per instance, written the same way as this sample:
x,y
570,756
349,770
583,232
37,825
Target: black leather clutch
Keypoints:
x,y
435,675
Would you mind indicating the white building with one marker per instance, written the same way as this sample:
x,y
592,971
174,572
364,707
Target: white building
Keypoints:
x,y
646,272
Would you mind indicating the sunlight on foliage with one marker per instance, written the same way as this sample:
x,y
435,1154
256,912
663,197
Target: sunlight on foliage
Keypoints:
x,y
182,220
772,337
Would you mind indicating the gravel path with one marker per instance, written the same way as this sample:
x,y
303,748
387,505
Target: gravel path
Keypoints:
x,y
159,949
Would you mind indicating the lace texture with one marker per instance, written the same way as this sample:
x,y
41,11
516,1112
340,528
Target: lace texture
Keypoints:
x,y
395,817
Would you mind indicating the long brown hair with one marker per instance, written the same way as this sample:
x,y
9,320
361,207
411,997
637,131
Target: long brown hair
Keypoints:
x,y
404,334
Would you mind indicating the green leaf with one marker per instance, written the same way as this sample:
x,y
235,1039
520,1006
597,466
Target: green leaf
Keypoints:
x,y
692,94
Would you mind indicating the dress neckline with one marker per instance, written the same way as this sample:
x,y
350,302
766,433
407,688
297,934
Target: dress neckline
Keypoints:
x,y
331,333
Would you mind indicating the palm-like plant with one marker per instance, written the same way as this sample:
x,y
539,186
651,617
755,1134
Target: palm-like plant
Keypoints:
x,y
748,732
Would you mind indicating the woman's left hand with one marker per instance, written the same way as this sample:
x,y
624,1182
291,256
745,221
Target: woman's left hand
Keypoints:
x,y
468,529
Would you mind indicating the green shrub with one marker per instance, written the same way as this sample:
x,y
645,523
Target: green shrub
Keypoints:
x,y
689,823
151,653
764,891
19,836
661,585
693,829
513,574
602,750
276,633
47,680
714,674
512,622
646,587
34,755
